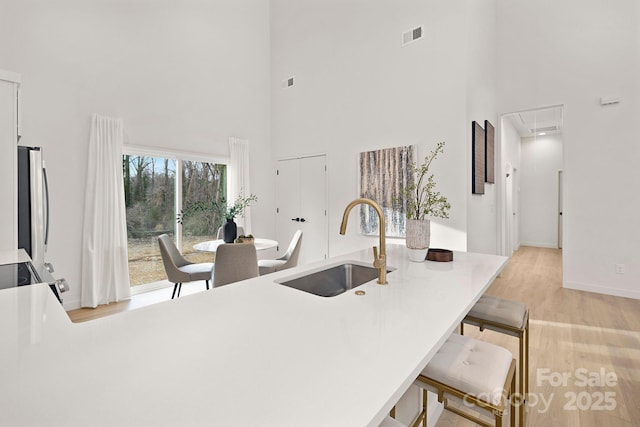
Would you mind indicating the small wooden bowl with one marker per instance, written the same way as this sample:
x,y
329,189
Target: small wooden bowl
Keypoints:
x,y
440,255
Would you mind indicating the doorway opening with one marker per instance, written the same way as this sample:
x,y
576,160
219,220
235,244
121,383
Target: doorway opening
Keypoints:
x,y
531,151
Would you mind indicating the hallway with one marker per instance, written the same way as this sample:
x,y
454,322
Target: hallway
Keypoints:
x,y
570,330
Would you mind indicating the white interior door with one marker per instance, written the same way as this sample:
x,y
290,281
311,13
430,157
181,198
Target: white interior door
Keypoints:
x,y
560,209
509,211
302,204
313,209
288,202
515,213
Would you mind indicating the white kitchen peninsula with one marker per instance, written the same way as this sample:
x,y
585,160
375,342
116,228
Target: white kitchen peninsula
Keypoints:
x,y
251,353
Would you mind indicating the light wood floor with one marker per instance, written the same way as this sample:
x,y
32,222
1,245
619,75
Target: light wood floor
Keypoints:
x,y
569,330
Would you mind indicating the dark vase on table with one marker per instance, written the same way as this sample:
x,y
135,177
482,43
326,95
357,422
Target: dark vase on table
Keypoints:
x,y
229,231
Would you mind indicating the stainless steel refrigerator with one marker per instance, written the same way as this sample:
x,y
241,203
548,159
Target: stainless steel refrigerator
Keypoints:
x,y
33,214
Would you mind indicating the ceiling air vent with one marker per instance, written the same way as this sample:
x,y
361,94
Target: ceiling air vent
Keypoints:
x,y
287,83
412,35
546,129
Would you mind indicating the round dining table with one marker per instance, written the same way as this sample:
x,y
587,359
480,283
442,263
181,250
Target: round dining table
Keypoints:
x,y
212,245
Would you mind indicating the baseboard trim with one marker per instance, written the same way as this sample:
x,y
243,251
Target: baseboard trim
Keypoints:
x,y
616,292
148,287
540,245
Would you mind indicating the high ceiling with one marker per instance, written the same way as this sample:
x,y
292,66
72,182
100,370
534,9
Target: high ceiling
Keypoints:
x,y
538,122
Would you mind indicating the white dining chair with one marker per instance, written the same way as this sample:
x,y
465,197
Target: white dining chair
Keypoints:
x,y
288,260
234,262
178,269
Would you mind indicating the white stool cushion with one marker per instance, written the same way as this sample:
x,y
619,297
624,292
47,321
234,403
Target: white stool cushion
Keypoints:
x,y
391,422
500,310
472,366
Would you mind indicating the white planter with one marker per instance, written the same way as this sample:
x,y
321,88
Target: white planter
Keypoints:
x,y
418,255
418,238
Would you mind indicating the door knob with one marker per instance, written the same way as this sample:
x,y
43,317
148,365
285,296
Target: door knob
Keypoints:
x,y
295,219
303,220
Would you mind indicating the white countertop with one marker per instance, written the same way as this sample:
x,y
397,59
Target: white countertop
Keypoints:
x,y
247,354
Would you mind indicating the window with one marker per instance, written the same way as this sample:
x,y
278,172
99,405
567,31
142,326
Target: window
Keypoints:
x,y
151,183
201,182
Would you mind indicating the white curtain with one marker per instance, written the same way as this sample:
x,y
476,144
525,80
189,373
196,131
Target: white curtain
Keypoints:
x,y
105,271
238,176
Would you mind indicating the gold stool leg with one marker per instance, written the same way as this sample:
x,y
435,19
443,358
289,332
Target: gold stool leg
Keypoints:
x,y
522,377
512,409
424,407
526,366
524,369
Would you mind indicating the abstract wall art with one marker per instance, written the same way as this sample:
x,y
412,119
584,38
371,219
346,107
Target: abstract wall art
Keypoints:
x,y
383,176
489,152
478,158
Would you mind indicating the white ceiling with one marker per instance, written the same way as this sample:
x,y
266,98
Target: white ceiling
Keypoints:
x,y
537,122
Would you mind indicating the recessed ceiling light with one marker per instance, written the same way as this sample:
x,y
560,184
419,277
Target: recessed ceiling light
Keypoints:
x,y
542,133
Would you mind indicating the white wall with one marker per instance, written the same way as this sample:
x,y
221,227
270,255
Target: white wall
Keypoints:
x,y
482,226
541,161
574,53
511,148
357,89
183,75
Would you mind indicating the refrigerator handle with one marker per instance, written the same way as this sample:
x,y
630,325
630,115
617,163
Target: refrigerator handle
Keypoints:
x,y
46,204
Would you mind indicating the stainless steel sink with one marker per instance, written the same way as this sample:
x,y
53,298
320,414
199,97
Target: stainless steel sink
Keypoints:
x,y
333,280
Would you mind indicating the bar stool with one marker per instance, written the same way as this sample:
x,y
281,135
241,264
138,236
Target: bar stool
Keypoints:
x,y
470,371
507,317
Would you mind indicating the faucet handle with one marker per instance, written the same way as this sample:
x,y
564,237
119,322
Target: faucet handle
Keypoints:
x,y
380,262
376,258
